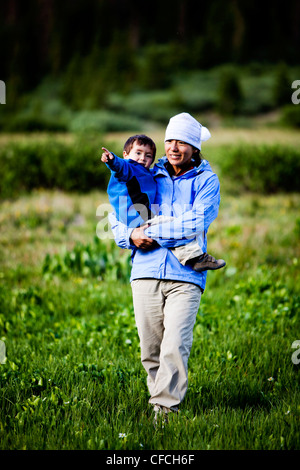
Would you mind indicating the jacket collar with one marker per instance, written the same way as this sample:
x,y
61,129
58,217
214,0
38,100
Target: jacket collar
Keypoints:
x,y
162,168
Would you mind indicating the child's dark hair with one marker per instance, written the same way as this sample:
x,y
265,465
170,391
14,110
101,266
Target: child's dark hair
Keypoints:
x,y
141,139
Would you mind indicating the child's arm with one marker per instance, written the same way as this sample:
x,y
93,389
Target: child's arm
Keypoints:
x,y
106,156
121,167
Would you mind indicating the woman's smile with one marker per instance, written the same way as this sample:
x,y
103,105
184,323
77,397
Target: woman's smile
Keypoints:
x,y
179,154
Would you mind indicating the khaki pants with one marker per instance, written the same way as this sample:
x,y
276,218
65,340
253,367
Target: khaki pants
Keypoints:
x,y
165,314
183,252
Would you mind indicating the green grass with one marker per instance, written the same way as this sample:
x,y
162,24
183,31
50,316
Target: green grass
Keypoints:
x,y
72,377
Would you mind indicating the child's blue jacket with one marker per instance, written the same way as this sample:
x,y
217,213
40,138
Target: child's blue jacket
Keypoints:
x,y
131,191
193,199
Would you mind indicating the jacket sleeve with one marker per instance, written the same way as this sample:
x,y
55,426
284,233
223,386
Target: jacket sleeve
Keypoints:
x,y
193,222
120,232
120,168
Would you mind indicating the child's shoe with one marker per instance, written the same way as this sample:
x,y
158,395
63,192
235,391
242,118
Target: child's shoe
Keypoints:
x,y
206,262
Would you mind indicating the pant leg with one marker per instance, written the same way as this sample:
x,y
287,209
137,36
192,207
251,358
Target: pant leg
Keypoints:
x,y
180,310
159,219
183,252
148,303
165,325
189,251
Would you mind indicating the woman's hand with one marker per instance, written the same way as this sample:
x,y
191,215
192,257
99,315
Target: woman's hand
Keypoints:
x,y
140,239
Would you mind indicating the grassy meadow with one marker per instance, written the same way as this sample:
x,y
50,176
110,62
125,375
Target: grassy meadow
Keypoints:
x,y
72,377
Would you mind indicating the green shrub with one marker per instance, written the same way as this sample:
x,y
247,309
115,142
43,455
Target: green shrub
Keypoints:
x,y
261,168
156,105
36,112
197,90
230,95
257,93
76,166
52,164
290,115
282,85
164,59
33,122
97,259
103,121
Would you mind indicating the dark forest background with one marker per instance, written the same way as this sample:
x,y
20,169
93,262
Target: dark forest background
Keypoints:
x,y
38,37
94,54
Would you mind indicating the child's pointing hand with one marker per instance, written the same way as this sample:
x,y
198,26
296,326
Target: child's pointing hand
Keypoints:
x,y
106,155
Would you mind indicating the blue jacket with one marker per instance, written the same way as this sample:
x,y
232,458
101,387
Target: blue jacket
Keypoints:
x,y
131,191
193,199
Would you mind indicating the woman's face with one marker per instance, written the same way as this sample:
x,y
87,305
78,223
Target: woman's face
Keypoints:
x,y
179,154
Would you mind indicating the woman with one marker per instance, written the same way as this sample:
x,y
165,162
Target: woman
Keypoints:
x,y
166,294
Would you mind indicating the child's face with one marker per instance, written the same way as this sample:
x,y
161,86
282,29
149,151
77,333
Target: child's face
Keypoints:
x,y
142,154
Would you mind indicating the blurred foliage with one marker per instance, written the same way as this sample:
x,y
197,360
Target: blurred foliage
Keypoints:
x,y
105,121
93,48
82,99
53,164
290,115
263,169
41,38
282,85
230,95
76,166
97,259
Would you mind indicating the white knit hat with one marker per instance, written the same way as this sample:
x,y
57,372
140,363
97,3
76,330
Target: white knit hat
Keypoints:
x,y
186,128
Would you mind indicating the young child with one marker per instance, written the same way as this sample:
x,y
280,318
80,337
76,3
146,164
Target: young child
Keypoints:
x,y
131,191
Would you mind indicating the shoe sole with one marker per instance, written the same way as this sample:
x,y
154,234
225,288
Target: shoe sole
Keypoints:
x,y
209,269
